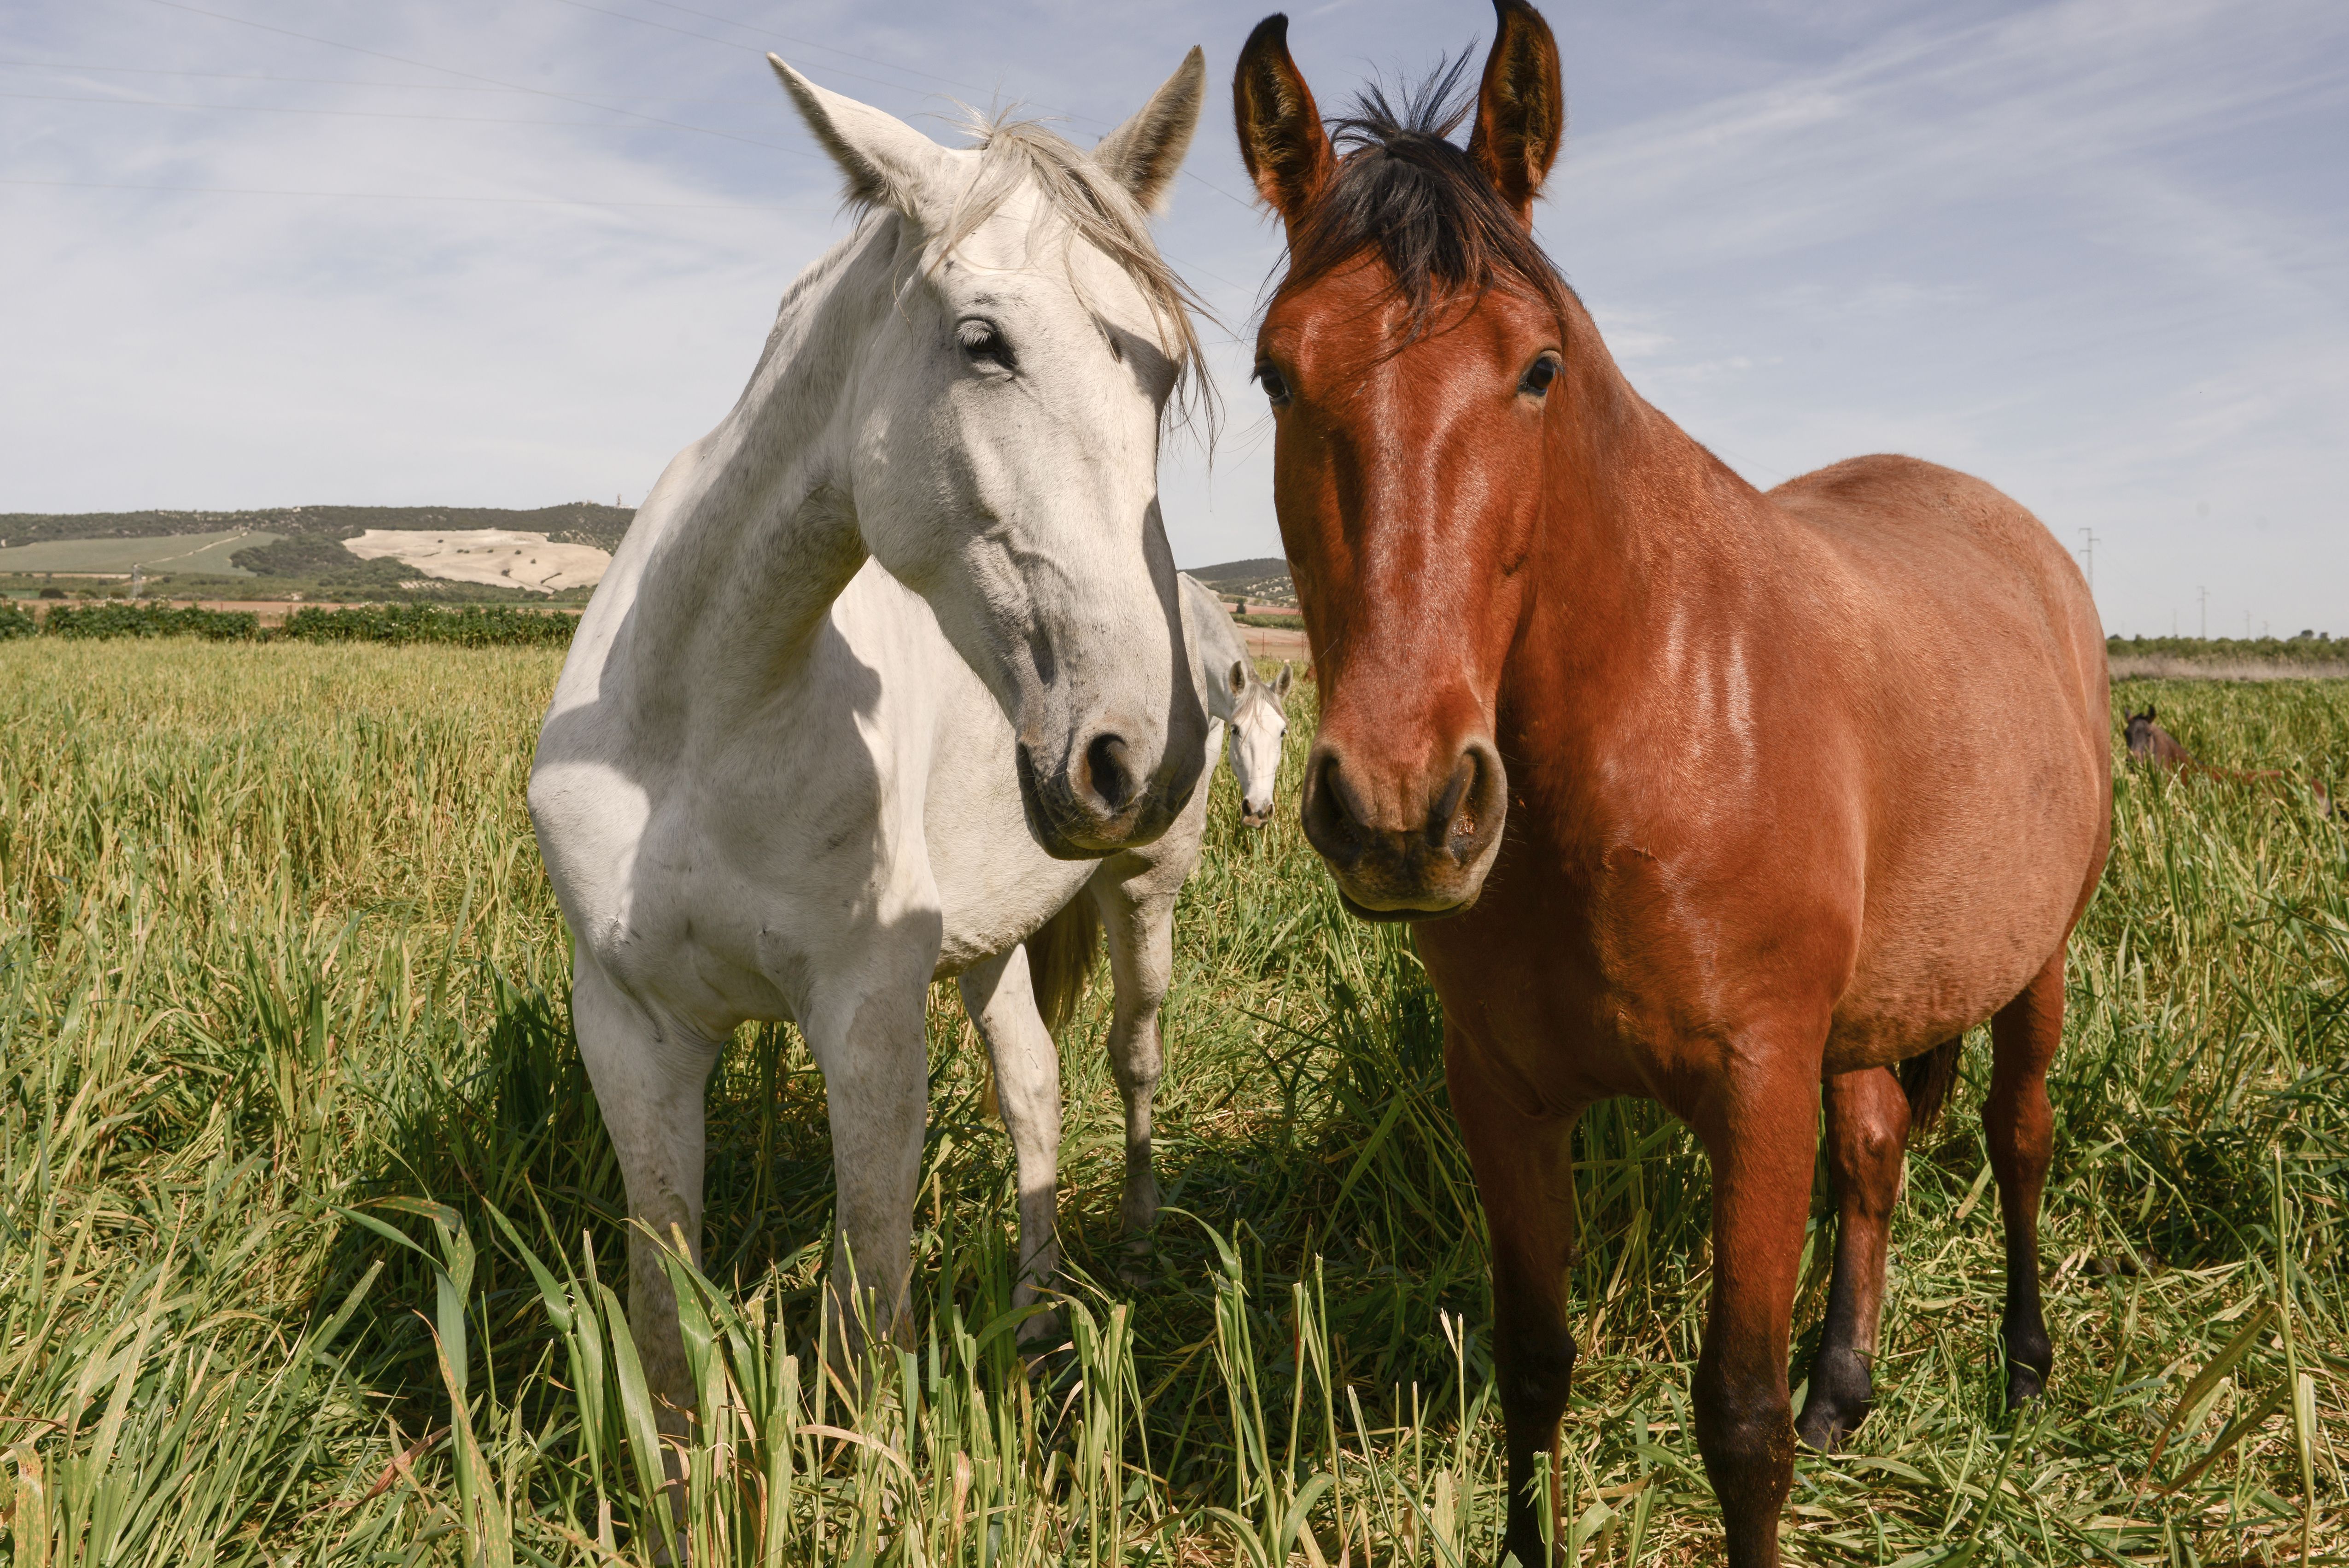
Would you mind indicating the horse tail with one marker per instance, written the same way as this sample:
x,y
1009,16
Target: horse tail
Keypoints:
x,y
1926,1080
1060,958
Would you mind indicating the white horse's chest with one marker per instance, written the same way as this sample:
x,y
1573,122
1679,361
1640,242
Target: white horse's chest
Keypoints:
x,y
873,798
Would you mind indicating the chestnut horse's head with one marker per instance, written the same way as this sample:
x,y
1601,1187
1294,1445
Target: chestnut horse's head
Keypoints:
x,y
1410,355
2140,731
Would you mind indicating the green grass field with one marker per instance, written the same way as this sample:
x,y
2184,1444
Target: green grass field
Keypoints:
x,y
204,553
308,1246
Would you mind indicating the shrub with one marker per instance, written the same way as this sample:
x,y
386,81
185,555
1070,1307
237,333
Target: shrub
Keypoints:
x,y
154,621
321,559
15,622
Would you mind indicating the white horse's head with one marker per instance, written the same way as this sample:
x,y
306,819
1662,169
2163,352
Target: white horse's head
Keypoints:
x,y
1258,724
1005,415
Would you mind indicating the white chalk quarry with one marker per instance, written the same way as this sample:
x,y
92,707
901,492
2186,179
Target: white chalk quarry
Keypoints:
x,y
501,557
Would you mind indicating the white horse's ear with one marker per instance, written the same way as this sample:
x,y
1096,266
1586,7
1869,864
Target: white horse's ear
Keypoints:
x,y
887,162
1239,677
1280,687
1145,151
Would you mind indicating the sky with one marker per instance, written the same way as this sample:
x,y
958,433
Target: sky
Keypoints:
x,y
257,252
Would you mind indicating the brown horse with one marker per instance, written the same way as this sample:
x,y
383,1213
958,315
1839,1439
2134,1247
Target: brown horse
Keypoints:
x,y
2149,742
1647,737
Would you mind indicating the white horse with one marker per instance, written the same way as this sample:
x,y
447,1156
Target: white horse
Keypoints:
x,y
1255,714
760,790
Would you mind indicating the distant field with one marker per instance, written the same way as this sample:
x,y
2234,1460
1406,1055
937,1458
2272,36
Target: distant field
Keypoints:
x,y
206,552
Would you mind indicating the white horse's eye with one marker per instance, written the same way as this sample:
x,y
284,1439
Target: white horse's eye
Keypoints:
x,y
982,340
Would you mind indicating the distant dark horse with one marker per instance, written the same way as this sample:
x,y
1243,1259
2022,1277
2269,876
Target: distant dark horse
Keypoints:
x,y
1645,735
2149,742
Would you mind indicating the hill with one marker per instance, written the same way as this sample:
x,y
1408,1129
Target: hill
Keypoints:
x,y
1264,578
572,523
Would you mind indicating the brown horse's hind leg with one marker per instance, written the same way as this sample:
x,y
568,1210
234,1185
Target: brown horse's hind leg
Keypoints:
x,y
2021,1130
1867,1131
1762,1140
1524,1181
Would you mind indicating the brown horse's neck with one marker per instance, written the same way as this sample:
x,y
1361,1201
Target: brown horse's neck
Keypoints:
x,y
1645,555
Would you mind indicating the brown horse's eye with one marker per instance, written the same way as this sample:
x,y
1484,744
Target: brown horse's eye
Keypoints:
x,y
1275,391
1538,376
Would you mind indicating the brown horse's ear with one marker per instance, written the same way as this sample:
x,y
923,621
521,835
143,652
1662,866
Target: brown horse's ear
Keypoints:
x,y
1520,108
1281,139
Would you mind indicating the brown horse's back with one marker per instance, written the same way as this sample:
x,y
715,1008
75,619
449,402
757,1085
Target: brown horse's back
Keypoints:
x,y
1974,677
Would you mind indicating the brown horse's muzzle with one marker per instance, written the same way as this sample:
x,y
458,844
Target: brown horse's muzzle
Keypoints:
x,y
1411,848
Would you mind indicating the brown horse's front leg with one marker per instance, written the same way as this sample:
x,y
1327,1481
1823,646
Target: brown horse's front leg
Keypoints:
x,y
1524,1181
1763,1139
1867,1133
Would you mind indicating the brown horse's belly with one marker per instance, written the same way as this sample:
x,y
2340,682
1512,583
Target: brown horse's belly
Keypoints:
x,y
1909,1009
1943,950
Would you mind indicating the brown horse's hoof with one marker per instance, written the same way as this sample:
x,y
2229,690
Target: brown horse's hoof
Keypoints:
x,y
2024,1354
1522,1554
1842,1392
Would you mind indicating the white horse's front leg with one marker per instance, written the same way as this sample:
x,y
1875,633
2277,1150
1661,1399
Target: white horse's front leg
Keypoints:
x,y
1001,1000
870,1046
649,1081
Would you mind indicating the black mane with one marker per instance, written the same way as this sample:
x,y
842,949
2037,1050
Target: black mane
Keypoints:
x,y
1403,188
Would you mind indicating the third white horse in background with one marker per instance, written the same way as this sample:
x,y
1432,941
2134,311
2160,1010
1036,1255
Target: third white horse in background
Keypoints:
x,y
1132,897
1250,715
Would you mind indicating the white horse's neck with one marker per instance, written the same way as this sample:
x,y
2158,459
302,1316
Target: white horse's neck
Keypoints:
x,y
1216,644
754,529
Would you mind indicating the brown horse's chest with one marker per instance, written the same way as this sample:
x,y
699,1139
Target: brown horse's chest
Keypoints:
x,y
1637,969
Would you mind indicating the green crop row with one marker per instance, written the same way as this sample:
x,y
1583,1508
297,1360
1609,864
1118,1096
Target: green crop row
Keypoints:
x,y
2308,648
475,626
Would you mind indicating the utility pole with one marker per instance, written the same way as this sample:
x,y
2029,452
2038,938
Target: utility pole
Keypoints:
x,y
2088,553
2206,613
